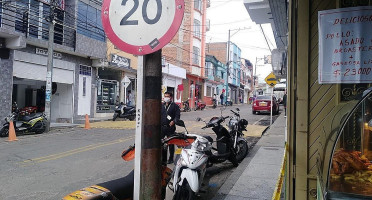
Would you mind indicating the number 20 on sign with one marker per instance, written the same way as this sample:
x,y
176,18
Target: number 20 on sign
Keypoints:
x,y
141,27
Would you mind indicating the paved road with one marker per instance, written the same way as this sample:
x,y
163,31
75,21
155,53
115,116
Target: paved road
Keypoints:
x,y
51,165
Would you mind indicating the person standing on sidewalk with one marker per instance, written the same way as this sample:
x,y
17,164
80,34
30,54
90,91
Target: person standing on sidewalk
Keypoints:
x,y
170,113
285,103
221,97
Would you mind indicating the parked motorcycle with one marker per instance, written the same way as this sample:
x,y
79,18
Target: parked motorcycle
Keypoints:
x,y
122,188
186,105
124,111
34,122
199,105
230,143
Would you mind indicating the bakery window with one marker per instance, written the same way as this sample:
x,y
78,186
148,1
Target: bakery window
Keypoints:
x,y
350,173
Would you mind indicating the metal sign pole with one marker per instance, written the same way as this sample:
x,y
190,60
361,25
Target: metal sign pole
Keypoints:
x,y
271,113
148,131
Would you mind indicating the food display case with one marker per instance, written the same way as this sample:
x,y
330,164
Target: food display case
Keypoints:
x,y
350,169
107,96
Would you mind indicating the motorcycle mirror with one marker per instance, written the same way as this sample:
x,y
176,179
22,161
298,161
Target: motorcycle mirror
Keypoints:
x,y
180,123
237,109
198,119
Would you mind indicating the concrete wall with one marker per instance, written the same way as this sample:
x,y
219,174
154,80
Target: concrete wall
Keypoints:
x,y
6,86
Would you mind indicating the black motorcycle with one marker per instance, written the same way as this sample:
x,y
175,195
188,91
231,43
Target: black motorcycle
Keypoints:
x,y
230,143
34,122
123,111
186,106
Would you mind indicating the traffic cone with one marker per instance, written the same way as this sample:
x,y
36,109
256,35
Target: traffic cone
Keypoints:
x,y
11,135
87,125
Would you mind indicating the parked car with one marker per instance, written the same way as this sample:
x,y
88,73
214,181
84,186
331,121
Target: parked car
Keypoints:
x,y
263,104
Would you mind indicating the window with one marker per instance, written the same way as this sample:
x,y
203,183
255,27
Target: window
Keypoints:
x,y
21,16
195,55
89,22
198,5
85,70
31,18
222,75
209,91
196,28
1,9
208,68
84,86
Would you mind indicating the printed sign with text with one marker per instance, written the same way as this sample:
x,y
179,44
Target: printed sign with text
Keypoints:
x,y
345,45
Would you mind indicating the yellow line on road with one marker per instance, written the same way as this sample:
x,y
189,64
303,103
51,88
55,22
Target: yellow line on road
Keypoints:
x,y
74,151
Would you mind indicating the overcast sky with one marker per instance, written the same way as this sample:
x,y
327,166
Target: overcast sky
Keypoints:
x,y
232,14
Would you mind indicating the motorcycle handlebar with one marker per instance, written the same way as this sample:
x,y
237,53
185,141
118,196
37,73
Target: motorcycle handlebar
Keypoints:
x,y
235,113
177,136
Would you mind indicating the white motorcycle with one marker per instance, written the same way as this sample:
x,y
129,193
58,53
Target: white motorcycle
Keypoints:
x,y
189,171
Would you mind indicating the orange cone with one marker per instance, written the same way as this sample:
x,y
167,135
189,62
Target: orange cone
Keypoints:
x,y
12,134
87,124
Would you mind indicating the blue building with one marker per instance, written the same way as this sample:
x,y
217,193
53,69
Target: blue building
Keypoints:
x,y
235,72
216,73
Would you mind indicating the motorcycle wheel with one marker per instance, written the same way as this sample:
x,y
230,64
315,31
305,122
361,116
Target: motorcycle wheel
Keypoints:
x,y
4,132
184,192
241,150
115,116
39,127
132,118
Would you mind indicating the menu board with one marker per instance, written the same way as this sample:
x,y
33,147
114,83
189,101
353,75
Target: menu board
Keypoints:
x,y
345,45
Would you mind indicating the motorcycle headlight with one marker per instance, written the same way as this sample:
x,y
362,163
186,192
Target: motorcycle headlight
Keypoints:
x,y
116,107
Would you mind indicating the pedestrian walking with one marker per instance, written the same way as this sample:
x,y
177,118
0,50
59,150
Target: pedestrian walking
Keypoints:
x,y
215,98
170,113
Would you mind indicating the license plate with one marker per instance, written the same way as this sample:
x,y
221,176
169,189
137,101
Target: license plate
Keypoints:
x,y
178,151
263,104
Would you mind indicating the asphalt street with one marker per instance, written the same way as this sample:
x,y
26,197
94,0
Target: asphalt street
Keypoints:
x,y
51,165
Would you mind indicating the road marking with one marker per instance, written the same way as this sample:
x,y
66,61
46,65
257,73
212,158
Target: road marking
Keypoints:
x,y
258,121
71,152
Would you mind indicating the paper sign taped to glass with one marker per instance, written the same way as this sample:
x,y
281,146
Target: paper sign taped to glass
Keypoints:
x,y
345,45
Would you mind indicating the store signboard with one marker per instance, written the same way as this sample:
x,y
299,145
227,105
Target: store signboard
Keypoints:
x,y
120,61
345,45
44,52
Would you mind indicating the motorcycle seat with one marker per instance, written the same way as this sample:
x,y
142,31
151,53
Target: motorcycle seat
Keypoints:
x,y
121,188
32,116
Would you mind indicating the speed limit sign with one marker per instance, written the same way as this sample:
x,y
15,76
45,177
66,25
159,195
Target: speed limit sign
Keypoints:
x,y
141,27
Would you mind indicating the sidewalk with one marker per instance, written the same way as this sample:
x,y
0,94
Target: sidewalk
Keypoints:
x,y
256,176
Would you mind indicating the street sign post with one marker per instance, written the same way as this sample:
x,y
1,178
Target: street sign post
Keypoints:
x,y
141,27
271,81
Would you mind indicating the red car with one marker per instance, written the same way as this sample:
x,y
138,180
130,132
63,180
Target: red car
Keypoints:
x,y
263,104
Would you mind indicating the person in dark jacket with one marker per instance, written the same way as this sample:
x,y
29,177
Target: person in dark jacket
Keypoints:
x,y
170,113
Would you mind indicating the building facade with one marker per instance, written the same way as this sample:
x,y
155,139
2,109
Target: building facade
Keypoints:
x,y
116,78
220,51
187,50
215,82
246,80
78,41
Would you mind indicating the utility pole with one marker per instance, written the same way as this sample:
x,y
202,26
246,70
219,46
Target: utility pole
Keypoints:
x,y
147,172
48,88
228,66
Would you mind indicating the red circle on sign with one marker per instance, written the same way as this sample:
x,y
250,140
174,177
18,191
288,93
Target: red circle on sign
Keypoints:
x,y
142,49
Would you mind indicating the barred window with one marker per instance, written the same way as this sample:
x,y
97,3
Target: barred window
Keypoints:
x,y
196,28
198,5
85,70
195,56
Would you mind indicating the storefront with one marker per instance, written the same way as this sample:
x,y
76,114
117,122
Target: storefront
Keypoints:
x,y
233,93
113,84
194,86
328,119
29,75
172,81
